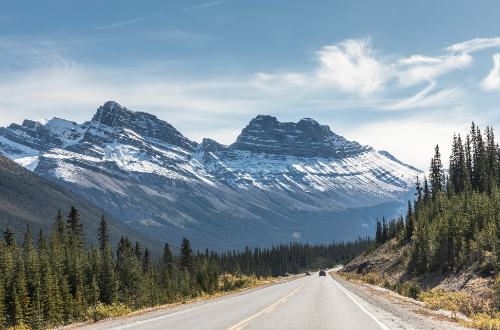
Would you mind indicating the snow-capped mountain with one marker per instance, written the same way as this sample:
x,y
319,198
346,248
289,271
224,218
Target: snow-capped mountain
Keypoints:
x,y
278,182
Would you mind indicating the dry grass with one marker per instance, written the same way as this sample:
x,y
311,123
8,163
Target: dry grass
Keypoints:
x,y
481,312
229,282
102,311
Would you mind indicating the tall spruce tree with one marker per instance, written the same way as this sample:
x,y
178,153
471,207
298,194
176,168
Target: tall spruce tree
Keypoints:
x,y
186,256
103,235
436,175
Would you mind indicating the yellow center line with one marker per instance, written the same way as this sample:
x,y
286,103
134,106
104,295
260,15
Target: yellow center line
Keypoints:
x,y
245,322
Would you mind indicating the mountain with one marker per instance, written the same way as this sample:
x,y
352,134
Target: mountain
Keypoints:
x,y
278,182
26,198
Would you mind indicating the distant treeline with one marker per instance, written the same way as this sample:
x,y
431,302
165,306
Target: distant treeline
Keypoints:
x,y
59,280
454,221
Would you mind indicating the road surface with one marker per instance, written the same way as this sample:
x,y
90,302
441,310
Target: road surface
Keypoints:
x,y
311,302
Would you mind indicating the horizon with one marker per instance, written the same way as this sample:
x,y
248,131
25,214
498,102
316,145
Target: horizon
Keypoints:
x,y
193,62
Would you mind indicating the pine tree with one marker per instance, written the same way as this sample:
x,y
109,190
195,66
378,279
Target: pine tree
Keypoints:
x,y
106,276
146,262
9,237
60,226
75,228
378,234
436,175
409,223
186,260
103,236
34,316
385,235
3,275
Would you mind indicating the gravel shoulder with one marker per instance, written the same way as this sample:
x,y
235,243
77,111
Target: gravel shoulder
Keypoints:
x,y
406,312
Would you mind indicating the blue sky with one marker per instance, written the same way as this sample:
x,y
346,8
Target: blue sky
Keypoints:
x,y
397,75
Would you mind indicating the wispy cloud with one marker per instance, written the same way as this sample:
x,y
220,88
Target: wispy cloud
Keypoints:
x,y
204,5
426,98
160,13
350,79
492,81
474,45
352,67
418,68
129,21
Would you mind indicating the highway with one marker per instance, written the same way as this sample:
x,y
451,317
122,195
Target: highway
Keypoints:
x,y
311,302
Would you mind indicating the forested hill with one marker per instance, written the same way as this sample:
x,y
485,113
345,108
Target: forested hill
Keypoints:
x,y
26,198
55,279
452,227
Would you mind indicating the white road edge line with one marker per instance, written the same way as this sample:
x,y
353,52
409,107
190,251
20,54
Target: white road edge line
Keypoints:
x,y
348,294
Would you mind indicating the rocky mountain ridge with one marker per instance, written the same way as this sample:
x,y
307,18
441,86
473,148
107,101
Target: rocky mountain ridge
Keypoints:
x,y
278,182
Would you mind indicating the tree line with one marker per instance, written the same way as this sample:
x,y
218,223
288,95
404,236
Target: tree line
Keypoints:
x,y
454,221
56,279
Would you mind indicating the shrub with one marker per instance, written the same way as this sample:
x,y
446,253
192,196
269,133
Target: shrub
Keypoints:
x,y
101,311
485,321
373,278
409,288
456,302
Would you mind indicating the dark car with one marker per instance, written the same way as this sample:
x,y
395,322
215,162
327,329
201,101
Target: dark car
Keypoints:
x,y
322,273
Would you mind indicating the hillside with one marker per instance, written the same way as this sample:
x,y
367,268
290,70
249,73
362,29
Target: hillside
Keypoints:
x,y
390,263
26,198
445,251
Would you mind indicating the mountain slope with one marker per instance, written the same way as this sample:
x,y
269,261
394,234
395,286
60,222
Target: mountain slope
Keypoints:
x,y
278,182
26,198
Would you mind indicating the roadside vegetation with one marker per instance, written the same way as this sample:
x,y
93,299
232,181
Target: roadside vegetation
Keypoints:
x,y
452,227
55,279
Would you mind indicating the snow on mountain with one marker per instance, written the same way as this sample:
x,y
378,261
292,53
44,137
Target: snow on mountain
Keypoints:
x,y
277,182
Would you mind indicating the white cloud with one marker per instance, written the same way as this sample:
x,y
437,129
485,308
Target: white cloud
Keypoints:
x,y
417,69
74,92
349,83
352,67
412,139
474,45
492,81
426,99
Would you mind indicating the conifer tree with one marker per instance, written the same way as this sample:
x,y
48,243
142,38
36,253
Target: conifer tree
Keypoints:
x,y
60,226
378,234
103,236
409,223
436,175
186,260
9,237
385,234
106,277
3,275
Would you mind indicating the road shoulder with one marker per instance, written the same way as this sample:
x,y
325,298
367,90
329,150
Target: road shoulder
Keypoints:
x,y
413,314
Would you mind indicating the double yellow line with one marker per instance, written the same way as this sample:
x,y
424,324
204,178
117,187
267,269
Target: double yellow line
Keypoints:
x,y
269,309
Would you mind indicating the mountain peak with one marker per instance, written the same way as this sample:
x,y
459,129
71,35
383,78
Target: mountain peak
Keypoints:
x,y
112,114
146,125
306,138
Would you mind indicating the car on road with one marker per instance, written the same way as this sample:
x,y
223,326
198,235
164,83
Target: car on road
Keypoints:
x,y
308,273
322,273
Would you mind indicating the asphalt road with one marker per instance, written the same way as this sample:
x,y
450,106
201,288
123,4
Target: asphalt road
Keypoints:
x,y
311,302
